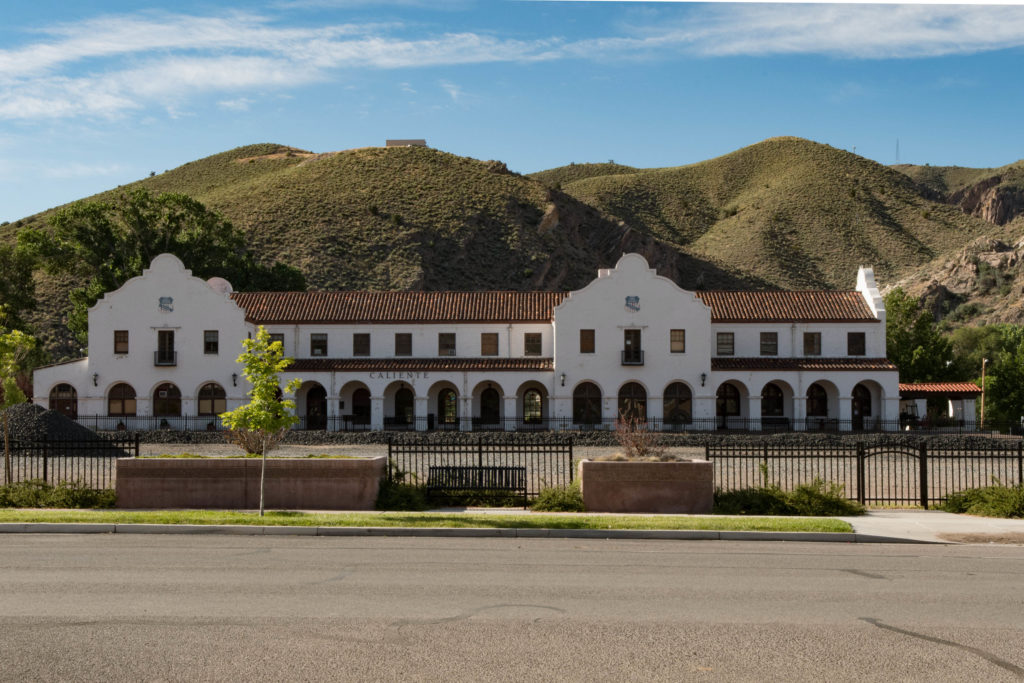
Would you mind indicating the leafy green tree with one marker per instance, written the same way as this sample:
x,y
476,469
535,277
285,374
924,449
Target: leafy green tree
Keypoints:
x,y
106,243
970,346
1005,378
913,340
17,288
258,426
15,348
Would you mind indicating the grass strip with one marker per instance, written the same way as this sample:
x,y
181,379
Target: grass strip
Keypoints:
x,y
428,519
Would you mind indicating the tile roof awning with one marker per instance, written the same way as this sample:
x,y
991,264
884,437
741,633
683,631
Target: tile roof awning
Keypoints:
x,y
420,364
787,307
397,307
939,389
820,364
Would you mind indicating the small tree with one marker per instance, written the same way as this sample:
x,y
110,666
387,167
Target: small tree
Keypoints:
x,y
15,348
261,424
638,442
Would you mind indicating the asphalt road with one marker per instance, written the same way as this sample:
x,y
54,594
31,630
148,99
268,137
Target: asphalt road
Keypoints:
x,y
176,608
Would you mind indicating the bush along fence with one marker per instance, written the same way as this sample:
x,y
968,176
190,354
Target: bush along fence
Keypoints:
x,y
515,467
871,474
91,463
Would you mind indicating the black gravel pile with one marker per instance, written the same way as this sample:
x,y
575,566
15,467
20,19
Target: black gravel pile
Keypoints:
x,y
29,422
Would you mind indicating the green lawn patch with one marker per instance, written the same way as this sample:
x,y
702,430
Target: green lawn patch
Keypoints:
x,y
427,519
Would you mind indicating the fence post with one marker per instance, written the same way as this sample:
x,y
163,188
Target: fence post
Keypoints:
x,y
1020,463
861,494
389,459
480,451
923,477
572,470
46,453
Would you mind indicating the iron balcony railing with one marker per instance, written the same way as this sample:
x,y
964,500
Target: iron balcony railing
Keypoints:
x,y
632,356
165,358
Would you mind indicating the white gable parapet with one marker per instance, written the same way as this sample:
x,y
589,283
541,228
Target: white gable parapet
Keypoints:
x,y
867,287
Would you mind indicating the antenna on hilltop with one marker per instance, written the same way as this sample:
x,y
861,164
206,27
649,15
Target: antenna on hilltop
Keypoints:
x,y
897,150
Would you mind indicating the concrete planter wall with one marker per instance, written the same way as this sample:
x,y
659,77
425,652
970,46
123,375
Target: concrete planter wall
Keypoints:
x,y
653,487
234,483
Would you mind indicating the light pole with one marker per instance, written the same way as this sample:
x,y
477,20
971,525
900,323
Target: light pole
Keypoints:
x,y
984,361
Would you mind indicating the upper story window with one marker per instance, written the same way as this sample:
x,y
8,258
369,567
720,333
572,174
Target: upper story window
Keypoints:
x,y
318,344
677,341
211,342
769,343
277,337
403,343
488,344
121,341
165,353
532,344
586,341
856,344
725,344
446,343
632,351
361,344
812,343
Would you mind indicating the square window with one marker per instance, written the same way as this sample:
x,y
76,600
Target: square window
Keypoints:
x,y
277,337
403,344
121,341
211,342
677,341
586,341
318,344
725,344
488,344
446,344
769,343
812,343
532,344
856,344
361,344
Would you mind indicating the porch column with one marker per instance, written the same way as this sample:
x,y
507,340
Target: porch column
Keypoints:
x,y
799,413
970,413
754,413
704,412
510,417
891,414
377,413
656,410
465,413
845,413
419,413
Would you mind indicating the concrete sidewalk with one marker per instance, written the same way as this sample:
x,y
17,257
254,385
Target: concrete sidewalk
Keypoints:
x,y
935,526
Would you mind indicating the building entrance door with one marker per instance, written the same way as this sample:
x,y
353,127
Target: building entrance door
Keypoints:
x,y
316,408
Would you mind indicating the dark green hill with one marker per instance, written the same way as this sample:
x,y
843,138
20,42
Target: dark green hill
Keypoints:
x,y
556,177
788,211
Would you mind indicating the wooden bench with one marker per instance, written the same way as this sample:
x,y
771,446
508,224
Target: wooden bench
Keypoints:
x,y
447,478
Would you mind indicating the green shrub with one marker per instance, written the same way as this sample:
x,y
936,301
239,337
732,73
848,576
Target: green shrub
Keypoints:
x,y
399,492
989,501
559,499
36,493
817,499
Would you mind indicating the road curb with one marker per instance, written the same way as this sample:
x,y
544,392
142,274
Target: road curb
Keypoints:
x,y
425,532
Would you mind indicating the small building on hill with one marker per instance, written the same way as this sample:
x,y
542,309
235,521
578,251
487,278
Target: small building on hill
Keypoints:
x,y
939,404
631,344
405,143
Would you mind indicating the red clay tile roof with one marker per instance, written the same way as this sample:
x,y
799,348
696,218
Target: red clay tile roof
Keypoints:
x,y
397,307
421,364
786,307
483,307
824,364
925,389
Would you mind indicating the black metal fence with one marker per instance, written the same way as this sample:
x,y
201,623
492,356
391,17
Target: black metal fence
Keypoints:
x,y
547,464
92,463
871,474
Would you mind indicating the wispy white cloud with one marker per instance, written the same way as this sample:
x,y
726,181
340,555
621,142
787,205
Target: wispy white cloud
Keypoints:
x,y
454,91
79,170
110,66
239,104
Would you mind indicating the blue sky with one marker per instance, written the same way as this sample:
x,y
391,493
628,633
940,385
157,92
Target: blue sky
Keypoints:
x,y
98,93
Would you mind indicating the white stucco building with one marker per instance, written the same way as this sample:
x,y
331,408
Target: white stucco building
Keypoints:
x,y
162,352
